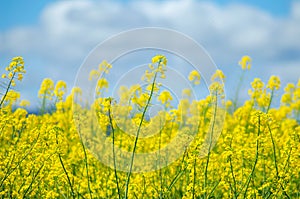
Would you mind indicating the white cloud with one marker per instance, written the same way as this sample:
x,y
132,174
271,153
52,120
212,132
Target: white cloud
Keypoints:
x,y
68,30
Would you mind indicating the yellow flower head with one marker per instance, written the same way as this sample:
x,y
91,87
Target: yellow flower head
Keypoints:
x,y
218,75
20,76
148,76
46,88
94,74
10,75
104,66
186,92
245,62
24,103
12,96
13,83
159,59
102,83
194,77
155,87
165,97
60,89
257,84
274,83
16,65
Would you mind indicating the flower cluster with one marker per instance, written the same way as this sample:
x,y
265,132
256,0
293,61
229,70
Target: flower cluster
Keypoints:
x,y
14,70
256,156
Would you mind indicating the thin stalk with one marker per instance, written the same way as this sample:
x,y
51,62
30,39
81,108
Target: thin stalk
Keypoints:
x,y
284,192
43,108
179,174
233,177
11,170
144,187
213,189
238,91
34,177
270,102
264,172
274,151
87,168
288,159
160,173
232,172
195,174
275,162
114,153
68,178
255,161
7,89
23,183
248,116
8,166
210,144
65,171
137,136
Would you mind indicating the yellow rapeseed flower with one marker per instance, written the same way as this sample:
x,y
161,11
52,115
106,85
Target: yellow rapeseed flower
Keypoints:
x,y
186,92
256,156
10,75
245,62
94,74
104,66
218,75
159,58
20,76
165,97
194,77
13,83
274,83
24,103
102,83
60,89
46,88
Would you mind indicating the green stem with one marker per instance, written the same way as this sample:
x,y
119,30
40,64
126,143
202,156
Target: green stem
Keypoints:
x,y
114,153
213,189
160,173
194,180
288,159
274,151
65,171
255,161
11,170
7,89
68,178
87,168
238,91
233,177
210,143
43,104
269,105
275,162
179,174
137,136
34,177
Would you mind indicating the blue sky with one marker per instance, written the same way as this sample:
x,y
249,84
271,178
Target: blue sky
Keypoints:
x,y
54,37
19,13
